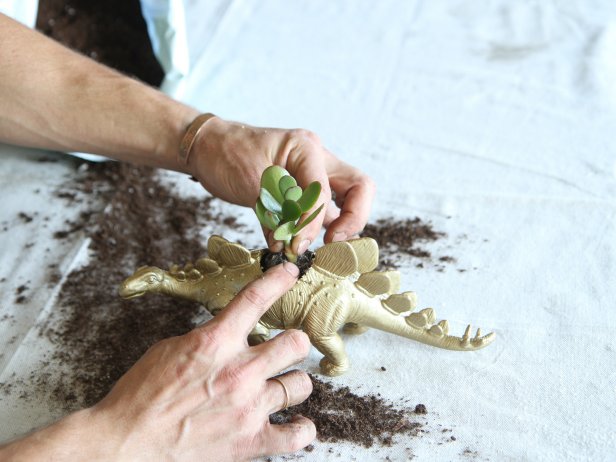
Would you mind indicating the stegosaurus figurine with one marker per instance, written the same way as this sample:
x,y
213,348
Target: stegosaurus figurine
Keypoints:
x,y
341,290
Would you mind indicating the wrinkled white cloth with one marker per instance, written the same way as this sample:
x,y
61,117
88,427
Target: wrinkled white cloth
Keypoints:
x,y
495,121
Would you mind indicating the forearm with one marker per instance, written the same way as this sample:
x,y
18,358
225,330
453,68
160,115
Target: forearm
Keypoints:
x,y
79,436
53,98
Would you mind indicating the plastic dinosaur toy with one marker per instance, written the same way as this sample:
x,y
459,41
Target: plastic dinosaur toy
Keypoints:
x,y
340,291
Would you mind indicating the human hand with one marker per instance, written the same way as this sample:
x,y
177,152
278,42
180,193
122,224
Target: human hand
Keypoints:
x,y
205,395
228,159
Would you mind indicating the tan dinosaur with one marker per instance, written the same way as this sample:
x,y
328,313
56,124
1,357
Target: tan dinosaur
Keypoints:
x,y
339,291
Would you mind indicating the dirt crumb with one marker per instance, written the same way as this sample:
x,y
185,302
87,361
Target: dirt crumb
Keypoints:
x,y
25,217
420,409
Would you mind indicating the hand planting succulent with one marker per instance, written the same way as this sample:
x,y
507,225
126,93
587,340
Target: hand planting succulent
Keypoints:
x,y
282,203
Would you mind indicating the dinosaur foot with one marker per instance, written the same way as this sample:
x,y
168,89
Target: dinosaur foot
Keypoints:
x,y
331,369
352,328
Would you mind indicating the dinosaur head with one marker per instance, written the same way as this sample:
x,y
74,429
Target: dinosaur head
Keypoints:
x,y
145,279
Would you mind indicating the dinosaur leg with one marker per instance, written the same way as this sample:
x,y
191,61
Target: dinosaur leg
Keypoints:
x,y
352,328
335,360
258,335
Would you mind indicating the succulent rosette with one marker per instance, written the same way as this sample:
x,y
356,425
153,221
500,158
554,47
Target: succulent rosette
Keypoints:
x,y
282,203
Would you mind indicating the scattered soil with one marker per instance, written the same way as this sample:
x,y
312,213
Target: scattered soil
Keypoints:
x,y
341,415
112,32
400,238
97,335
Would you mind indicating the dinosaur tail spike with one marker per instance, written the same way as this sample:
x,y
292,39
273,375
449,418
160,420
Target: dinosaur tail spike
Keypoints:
x,y
438,334
466,337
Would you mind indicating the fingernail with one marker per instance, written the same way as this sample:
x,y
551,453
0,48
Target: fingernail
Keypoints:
x,y
339,236
291,268
303,246
276,247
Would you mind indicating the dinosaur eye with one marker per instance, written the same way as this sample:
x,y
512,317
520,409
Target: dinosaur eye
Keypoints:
x,y
151,279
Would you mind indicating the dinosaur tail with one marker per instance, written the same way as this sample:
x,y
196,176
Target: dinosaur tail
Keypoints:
x,y
419,326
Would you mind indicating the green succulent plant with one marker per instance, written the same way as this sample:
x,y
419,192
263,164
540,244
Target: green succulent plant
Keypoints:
x,y
281,204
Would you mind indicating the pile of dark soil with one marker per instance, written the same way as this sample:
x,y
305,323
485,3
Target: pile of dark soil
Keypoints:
x,y
398,239
112,32
341,415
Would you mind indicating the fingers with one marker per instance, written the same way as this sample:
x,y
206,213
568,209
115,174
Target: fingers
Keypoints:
x,y
245,310
331,214
354,193
287,390
286,349
289,437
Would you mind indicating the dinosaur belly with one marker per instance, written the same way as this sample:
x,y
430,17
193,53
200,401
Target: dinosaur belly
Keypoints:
x,y
289,311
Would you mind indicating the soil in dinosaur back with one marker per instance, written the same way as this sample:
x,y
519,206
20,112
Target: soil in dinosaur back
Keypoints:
x,y
304,261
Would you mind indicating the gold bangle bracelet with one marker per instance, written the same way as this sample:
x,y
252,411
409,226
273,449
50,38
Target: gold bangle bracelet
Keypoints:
x,y
191,134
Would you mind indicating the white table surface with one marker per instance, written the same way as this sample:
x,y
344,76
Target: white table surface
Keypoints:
x,y
495,121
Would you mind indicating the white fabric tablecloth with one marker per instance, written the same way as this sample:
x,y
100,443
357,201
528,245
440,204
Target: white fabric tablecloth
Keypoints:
x,y
496,121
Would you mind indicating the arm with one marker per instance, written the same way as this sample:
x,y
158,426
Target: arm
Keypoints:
x,y
205,395
53,98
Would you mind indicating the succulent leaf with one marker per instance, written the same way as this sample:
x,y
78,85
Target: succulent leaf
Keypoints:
x,y
310,196
285,183
290,211
270,180
260,211
284,232
293,193
308,220
269,201
271,220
